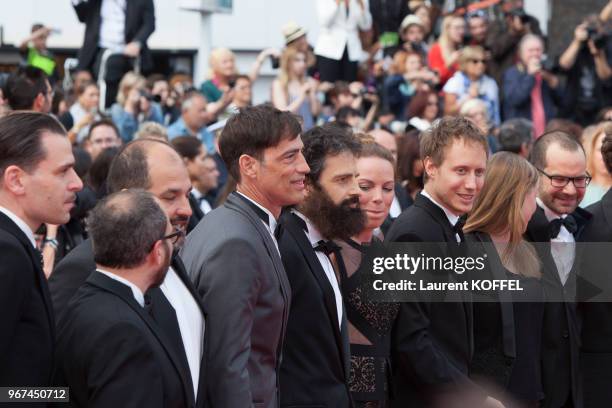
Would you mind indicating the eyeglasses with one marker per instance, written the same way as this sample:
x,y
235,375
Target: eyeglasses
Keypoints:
x,y
174,237
478,61
562,181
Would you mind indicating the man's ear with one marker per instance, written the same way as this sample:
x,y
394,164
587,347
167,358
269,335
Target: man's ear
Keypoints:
x,y
13,180
249,166
431,170
39,102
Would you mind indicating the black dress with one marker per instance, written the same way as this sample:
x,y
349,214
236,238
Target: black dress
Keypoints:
x,y
519,377
370,368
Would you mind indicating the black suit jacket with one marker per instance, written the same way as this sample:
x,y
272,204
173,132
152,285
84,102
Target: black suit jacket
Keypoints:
x,y
596,317
432,341
315,366
72,272
196,213
112,353
494,334
139,25
560,335
27,324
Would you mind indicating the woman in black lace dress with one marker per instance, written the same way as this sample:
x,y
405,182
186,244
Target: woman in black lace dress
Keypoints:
x,y
370,322
507,324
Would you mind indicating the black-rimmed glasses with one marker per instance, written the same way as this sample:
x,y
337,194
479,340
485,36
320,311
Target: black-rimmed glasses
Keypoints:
x,y
562,181
174,237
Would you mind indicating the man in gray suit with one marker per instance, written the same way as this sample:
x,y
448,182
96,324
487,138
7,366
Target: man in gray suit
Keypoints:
x,y
232,257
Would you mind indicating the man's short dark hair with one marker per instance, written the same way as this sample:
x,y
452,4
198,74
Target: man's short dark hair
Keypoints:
x,y
20,138
513,133
102,122
187,146
23,86
325,141
124,227
252,130
129,168
443,133
558,137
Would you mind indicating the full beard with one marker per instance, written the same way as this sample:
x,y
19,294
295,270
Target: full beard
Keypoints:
x,y
334,221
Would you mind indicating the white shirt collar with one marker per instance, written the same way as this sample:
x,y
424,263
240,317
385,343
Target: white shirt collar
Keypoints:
x,y
550,214
20,223
452,218
313,234
136,292
271,220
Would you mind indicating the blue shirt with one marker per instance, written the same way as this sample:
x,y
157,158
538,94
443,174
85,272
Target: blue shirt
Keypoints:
x,y
179,128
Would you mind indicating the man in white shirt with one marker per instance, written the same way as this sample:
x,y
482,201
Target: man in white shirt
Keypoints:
x,y
315,368
120,26
38,185
555,225
111,348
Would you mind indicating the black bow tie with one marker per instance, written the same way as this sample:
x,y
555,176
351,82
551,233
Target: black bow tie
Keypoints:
x,y
569,222
327,247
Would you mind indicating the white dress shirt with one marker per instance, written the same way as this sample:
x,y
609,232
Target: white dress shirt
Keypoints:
x,y
204,204
112,25
563,247
452,218
396,208
314,236
21,224
136,292
190,321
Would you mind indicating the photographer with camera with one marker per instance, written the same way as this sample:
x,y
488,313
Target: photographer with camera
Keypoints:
x,y
587,63
531,91
134,105
503,37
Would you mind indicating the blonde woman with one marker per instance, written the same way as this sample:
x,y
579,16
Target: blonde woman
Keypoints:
x,y
507,325
471,82
444,55
134,106
602,180
293,90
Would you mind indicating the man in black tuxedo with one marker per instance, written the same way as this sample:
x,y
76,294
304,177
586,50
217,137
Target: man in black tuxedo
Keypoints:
x,y
111,350
433,341
155,166
121,26
37,185
557,222
232,256
596,335
316,359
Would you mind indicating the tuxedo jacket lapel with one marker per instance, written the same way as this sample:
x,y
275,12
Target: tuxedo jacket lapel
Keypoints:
x,y
123,292
308,252
437,214
35,256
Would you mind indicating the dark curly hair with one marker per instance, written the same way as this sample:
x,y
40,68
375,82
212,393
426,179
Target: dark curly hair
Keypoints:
x,y
331,139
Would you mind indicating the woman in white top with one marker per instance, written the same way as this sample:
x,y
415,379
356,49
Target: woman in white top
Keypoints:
x,y
293,90
338,47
